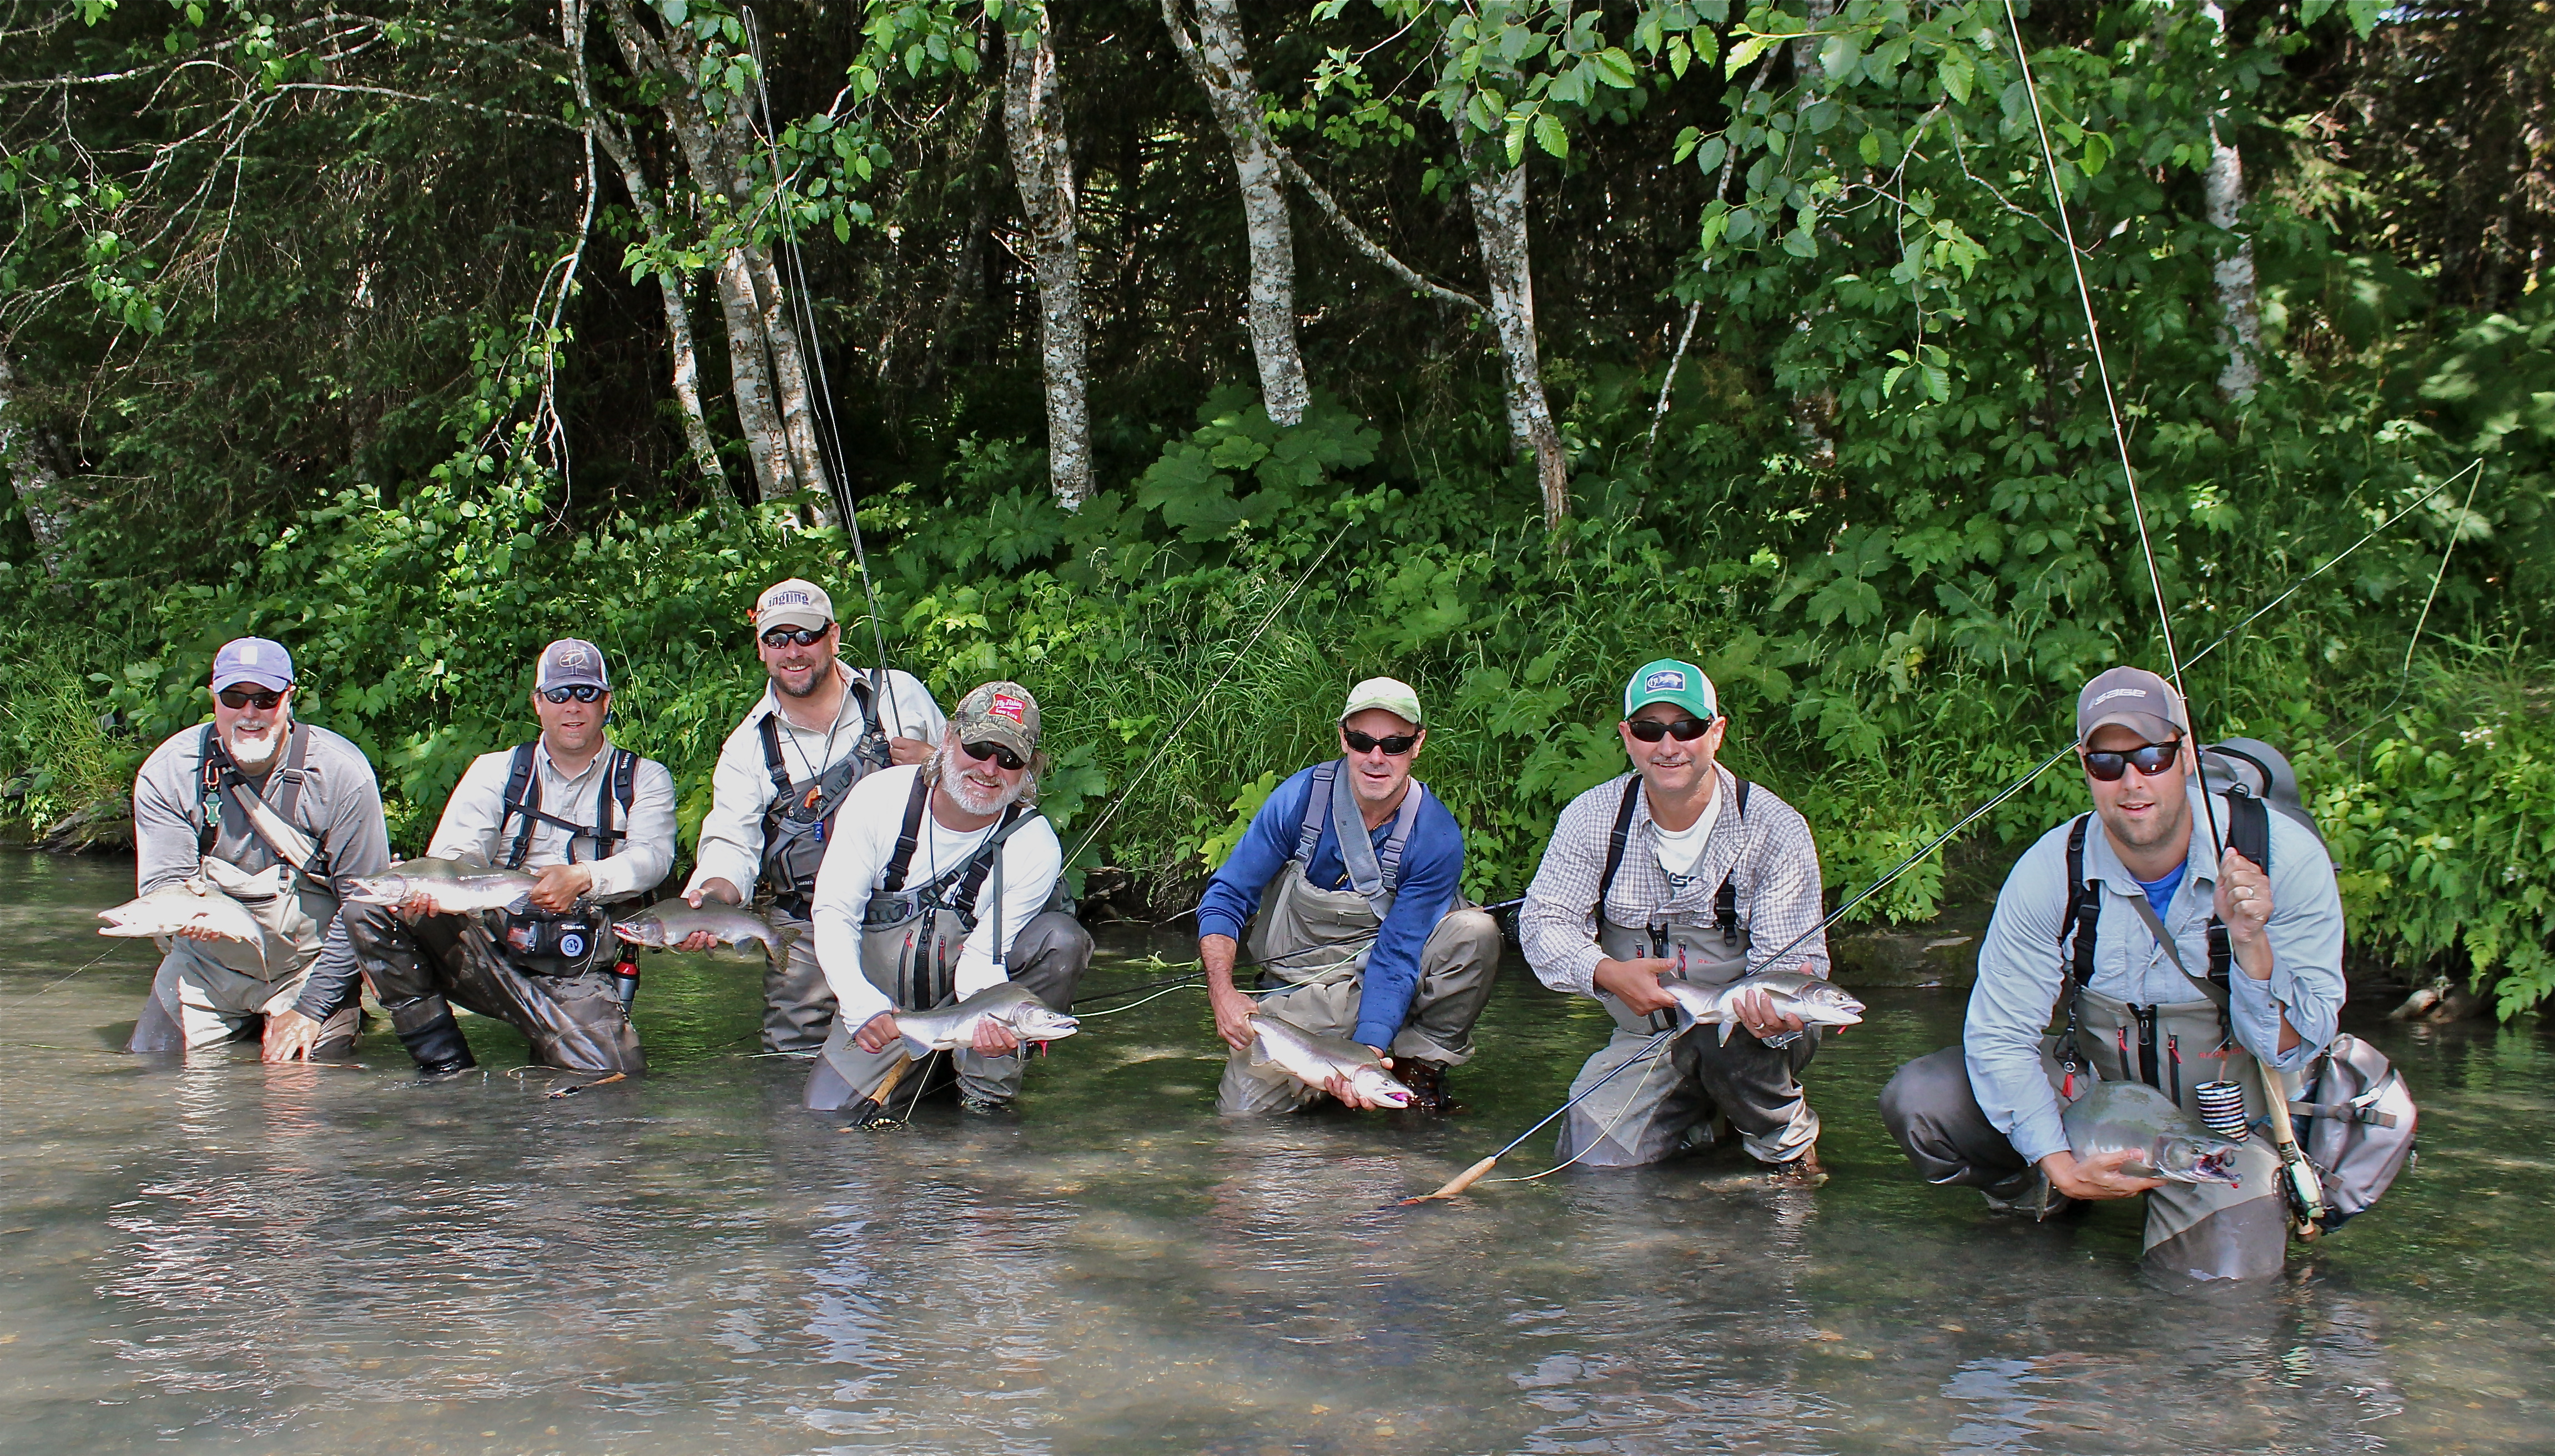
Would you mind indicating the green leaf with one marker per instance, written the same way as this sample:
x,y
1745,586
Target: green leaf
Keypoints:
x,y
1615,68
1956,72
1551,135
1745,53
675,11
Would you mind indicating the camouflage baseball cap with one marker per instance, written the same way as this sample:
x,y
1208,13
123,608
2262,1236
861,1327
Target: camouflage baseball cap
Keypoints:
x,y
999,712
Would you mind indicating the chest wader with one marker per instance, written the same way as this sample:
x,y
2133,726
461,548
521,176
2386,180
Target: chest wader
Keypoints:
x,y
800,816
292,900
2215,1232
1309,937
1706,956
911,938
576,940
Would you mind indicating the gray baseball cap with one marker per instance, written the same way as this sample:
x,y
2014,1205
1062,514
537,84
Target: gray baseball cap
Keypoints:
x,y
2134,698
571,662
253,660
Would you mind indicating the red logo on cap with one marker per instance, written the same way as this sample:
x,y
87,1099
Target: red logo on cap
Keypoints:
x,y
1005,705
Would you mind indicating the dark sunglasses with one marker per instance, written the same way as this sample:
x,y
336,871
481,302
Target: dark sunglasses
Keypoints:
x,y
584,692
780,637
1683,730
236,699
994,753
2150,759
1393,747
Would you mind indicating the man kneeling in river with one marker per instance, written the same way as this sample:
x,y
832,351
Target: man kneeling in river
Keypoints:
x,y
2127,925
1369,927
941,880
1681,869
595,825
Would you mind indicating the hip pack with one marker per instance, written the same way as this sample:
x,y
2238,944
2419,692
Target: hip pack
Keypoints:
x,y
2355,1121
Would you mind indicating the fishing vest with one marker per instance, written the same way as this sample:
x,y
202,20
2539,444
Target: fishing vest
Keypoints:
x,y
800,816
292,900
1707,955
911,938
1307,936
571,941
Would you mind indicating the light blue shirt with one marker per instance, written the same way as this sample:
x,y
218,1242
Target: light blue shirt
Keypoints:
x,y
2022,966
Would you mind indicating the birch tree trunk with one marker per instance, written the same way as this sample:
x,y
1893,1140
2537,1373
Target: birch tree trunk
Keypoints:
x,y
31,474
1042,169
1221,61
2240,308
1499,219
794,390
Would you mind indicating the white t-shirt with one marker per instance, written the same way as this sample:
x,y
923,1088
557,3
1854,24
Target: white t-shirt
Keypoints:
x,y
1681,849
856,859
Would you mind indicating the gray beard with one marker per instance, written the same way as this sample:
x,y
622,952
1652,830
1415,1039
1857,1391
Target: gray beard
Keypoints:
x,y
266,751
937,771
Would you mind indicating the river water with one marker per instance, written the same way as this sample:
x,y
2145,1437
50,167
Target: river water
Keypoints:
x,y
233,1256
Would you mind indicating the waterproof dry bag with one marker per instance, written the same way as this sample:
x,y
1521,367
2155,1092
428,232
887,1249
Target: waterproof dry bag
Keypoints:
x,y
2355,1121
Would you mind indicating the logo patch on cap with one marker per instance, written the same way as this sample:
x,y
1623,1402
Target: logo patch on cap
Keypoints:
x,y
2119,693
789,599
573,659
1005,705
1666,680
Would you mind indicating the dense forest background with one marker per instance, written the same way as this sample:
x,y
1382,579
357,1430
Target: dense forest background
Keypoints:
x,y
1188,359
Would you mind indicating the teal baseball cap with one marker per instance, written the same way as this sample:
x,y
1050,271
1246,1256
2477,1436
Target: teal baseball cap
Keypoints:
x,y
1669,680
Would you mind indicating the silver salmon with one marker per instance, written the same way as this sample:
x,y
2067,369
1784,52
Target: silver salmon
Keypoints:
x,y
1816,1002
190,905
671,923
1314,1061
458,887
1008,1004
2171,1143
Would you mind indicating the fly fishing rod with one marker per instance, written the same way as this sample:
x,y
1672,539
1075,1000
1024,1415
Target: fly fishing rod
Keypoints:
x,y
2305,1190
833,460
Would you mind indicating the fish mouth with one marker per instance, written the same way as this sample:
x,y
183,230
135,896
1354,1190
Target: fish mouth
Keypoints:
x,y
2217,1167
650,937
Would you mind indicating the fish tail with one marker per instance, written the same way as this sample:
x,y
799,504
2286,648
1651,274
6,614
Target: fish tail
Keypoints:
x,y
1725,1029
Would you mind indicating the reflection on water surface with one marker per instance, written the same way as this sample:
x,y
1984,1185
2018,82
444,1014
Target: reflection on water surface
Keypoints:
x,y
296,1259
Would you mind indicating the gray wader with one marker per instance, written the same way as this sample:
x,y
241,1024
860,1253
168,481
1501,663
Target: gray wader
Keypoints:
x,y
2201,1230
1318,940
548,975
798,1004
911,945
1668,1106
209,992
1654,1112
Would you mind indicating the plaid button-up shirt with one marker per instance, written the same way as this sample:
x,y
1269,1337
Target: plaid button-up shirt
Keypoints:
x,y
1767,855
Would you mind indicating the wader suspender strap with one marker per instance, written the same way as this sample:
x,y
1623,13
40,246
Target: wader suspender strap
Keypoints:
x,y
523,799
222,778
772,764
908,835
1373,874
1725,900
986,860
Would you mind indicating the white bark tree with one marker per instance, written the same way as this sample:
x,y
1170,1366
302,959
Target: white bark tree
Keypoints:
x,y
1043,170
2239,308
1497,193
31,473
1220,60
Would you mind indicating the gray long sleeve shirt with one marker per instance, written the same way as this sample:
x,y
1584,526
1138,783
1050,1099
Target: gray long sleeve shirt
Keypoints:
x,y
1767,855
2023,965
341,807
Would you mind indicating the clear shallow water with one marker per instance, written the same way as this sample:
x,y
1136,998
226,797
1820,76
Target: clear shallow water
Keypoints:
x,y
255,1259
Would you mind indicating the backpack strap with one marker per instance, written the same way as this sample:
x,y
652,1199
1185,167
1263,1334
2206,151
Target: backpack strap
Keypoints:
x,y
617,786
908,835
1615,841
2249,833
523,799
772,764
2084,907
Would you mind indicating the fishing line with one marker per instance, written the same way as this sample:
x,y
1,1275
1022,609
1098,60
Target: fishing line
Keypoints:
x,y
2110,402
1190,983
2404,677
836,462
1209,696
1621,1113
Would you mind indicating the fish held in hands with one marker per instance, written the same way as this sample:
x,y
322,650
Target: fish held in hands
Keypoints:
x,y
1815,1002
188,905
669,922
1315,1060
457,886
2169,1141
1009,1005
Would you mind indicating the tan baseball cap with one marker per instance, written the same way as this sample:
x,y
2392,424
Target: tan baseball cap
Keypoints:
x,y
793,603
1392,694
2132,698
999,712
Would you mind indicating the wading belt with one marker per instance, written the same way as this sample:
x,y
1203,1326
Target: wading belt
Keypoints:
x,y
1725,900
2249,833
1373,872
221,780
524,801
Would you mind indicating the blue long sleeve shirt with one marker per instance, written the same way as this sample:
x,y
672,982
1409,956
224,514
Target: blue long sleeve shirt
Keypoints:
x,y
1432,867
2022,970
